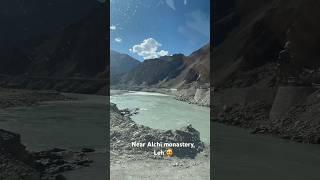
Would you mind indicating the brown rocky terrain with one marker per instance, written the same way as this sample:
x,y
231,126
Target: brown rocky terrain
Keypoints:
x,y
155,71
188,163
187,77
124,131
250,88
69,60
16,163
16,97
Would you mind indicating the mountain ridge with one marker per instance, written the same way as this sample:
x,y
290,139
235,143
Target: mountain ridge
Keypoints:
x,y
189,75
162,71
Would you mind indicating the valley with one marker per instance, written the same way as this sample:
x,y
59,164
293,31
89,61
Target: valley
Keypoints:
x,y
186,77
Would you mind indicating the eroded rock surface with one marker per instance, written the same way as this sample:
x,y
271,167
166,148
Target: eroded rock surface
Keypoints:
x,y
16,163
124,131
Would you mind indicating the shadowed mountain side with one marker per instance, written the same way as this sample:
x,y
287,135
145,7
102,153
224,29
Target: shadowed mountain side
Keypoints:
x,y
154,71
269,59
224,20
76,52
120,64
30,18
264,28
72,60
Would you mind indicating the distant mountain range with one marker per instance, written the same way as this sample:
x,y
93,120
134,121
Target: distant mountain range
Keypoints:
x,y
154,71
186,77
120,64
167,71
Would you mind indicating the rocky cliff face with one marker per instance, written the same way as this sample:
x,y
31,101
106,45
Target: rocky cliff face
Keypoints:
x,y
71,60
264,28
19,164
193,83
273,94
26,19
75,52
16,162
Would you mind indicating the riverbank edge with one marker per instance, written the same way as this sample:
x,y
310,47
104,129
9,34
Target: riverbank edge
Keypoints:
x,y
192,95
270,111
122,125
10,98
16,163
125,160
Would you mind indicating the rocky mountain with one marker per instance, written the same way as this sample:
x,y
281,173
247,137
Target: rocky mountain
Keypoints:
x,y
224,19
155,71
172,71
71,60
196,69
26,19
255,85
190,75
75,52
194,81
120,64
259,37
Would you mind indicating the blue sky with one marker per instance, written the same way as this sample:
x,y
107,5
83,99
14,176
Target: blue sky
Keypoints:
x,y
147,29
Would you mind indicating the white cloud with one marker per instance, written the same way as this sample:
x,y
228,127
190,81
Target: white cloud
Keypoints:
x,y
113,27
163,53
171,4
185,2
148,49
118,40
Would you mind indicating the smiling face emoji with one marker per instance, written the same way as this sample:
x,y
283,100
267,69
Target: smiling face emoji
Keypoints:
x,y
169,152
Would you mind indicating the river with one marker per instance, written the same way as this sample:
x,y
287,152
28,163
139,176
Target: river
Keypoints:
x,y
238,155
161,111
70,125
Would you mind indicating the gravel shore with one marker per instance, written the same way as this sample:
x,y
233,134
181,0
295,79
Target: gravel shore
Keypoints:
x,y
126,161
18,97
